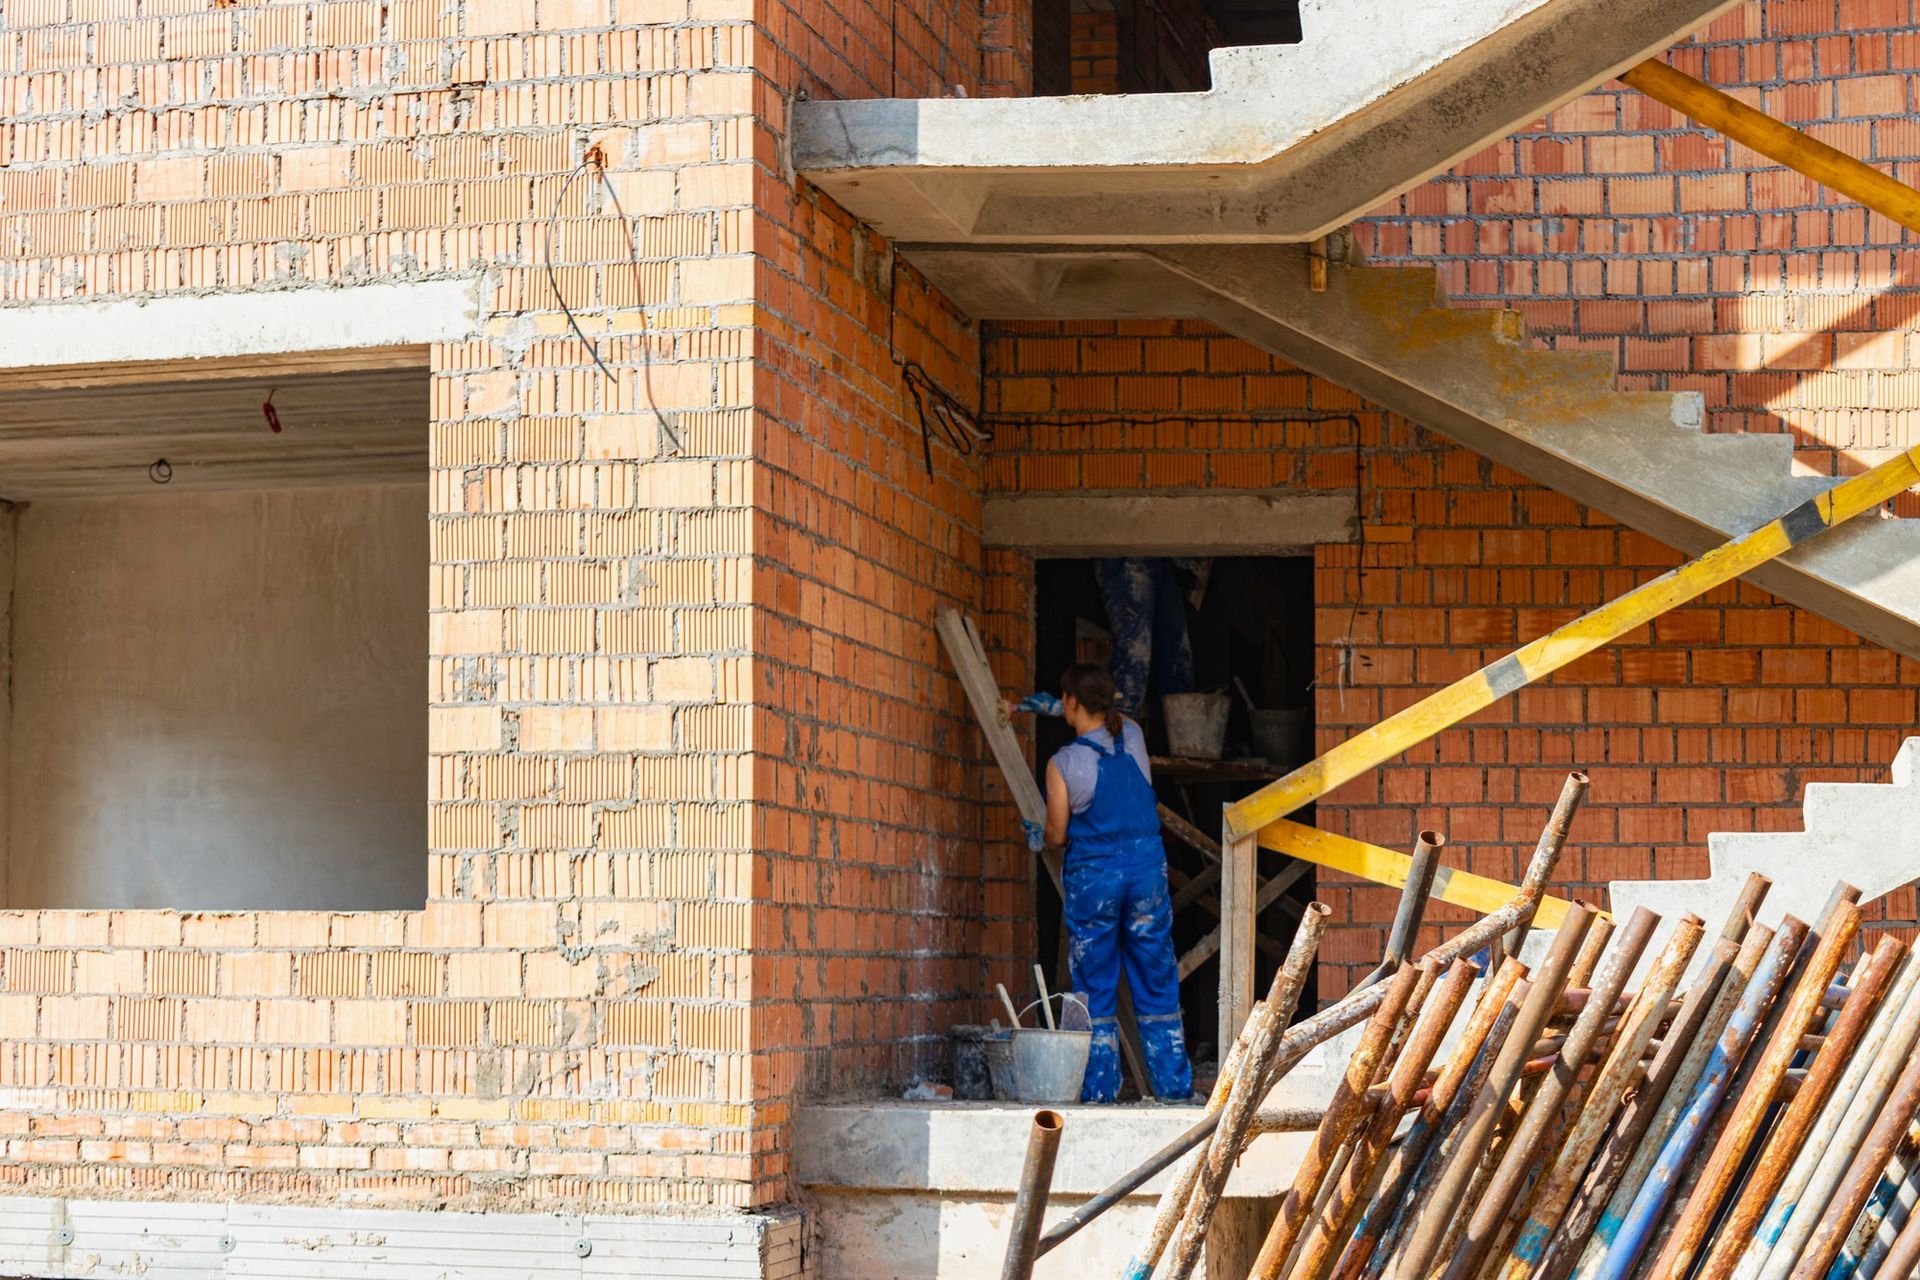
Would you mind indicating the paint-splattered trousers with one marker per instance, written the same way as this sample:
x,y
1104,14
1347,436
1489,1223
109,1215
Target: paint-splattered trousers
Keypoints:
x,y
1149,622
1119,916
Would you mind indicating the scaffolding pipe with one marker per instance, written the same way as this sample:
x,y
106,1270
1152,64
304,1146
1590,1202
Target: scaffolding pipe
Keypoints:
x,y
1030,1203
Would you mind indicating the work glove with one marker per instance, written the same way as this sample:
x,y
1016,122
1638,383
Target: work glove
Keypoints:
x,y
1041,704
1036,838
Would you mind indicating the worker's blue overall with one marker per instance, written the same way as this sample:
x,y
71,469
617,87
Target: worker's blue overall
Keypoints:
x,y
1118,913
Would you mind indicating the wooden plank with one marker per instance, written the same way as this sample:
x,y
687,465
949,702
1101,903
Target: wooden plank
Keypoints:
x,y
1188,834
1804,154
969,658
1203,950
1449,706
1237,925
1480,894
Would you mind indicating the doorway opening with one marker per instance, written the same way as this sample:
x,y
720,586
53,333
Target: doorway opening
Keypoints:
x,y
1249,622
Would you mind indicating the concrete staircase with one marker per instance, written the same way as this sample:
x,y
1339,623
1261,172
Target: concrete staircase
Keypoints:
x,y
1471,375
1867,834
1291,141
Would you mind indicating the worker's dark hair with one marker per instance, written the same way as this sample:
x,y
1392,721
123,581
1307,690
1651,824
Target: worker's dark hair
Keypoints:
x,y
1091,687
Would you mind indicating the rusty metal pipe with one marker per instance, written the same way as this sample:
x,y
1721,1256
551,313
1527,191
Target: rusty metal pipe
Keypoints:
x,y
1743,1123
1553,837
1362,1175
1609,1186
1862,1174
1903,1259
1451,1187
1595,1116
1653,1197
1528,1144
1246,1093
1783,1145
1344,1116
1843,1125
1412,1194
1372,1222
1580,977
1407,917
1030,1203
1746,908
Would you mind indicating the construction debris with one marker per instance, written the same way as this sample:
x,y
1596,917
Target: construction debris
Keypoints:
x,y
1755,1124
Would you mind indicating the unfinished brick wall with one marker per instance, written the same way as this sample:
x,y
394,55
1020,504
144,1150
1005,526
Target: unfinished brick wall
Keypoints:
x,y
885,916
1712,720
1616,224
570,1018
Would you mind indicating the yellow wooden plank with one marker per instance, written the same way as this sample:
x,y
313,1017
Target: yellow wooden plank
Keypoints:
x,y
1803,154
1447,707
1383,866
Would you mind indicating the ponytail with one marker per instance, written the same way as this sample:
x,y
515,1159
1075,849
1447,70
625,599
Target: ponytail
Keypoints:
x,y
1092,687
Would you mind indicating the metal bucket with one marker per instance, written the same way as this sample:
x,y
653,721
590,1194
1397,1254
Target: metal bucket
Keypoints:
x,y
1281,736
1196,724
1049,1066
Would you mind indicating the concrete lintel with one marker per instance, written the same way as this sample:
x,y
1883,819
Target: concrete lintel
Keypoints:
x,y
978,1147
224,325
1195,522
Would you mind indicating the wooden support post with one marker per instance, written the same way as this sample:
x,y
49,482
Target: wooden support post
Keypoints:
x,y
1239,1228
1804,154
1238,920
1449,706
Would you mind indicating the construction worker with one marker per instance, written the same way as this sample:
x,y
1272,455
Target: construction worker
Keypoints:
x,y
1101,807
1148,617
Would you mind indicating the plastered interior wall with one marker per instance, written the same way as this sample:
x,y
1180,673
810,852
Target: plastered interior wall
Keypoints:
x,y
217,700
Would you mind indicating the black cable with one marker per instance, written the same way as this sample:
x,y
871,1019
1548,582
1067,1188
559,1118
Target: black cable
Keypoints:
x,y
942,414
639,293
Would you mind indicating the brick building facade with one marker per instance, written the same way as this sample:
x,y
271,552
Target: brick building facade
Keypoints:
x,y
710,832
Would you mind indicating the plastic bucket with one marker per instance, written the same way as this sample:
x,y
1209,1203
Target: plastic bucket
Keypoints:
x,y
1196,724
1049,1066
1281,736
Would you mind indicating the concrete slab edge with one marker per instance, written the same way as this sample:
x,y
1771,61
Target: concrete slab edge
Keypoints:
x,y
209,326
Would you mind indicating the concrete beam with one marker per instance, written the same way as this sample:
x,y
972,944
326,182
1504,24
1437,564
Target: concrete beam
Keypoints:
x,y
225,325
1172,523
1289,142
976,1148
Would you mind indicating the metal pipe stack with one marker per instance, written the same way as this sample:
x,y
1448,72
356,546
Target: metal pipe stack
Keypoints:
x,y
1760,1121
1754,1116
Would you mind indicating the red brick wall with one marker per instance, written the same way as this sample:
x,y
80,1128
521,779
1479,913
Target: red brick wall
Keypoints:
x,y
1617,224
1714,720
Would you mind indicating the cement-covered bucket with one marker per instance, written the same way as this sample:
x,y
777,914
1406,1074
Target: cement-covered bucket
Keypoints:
x,y
1196,724
1049,1066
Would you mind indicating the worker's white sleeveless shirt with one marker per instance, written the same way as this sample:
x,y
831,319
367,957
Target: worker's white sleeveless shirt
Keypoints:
x,y
1079,763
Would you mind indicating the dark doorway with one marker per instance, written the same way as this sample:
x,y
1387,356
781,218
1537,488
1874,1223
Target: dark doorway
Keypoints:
x,y
1251,629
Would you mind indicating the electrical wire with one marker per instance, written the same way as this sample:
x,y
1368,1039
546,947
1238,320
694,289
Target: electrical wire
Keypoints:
x,y
941,414
591,161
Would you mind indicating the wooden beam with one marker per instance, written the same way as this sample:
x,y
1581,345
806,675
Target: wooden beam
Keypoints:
x,y
1203,950
969,658
1449,706
1480,894
1238,920
1801,152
